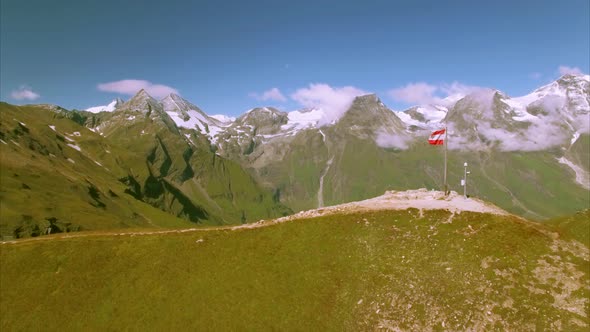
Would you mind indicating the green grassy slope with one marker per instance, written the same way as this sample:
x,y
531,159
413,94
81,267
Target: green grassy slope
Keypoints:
x,y
177,171
388,269
579,152
575,226
46,183
57,173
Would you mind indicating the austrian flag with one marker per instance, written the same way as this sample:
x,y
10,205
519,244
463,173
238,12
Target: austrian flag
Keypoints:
x,y
437,137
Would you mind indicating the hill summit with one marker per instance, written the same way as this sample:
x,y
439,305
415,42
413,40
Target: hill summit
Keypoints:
x,y
403,261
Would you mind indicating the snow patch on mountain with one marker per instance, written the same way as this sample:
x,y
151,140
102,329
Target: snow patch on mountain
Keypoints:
x,y
575,137
105,108
519,109
582,177
74,146
425,116
321,187
223,118
196,120
186,115
303,119
408,120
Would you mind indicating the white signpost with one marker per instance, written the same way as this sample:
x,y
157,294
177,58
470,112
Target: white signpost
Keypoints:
x,y
464,181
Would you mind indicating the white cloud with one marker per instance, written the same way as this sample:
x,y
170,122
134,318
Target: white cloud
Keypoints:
x,y
458,90
563,70
540,132
421,93
415,93
24,92
334,101
272,94
389,140
131,87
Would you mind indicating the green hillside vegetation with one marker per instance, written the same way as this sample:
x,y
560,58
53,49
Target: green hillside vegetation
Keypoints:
x,y
47,184
579,152
576,226
376,270
69,178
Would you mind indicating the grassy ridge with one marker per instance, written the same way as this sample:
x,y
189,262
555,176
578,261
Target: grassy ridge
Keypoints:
x,y
354,272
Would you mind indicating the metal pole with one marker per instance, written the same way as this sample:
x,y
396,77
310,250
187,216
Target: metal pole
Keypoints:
x,y
465,181
445,175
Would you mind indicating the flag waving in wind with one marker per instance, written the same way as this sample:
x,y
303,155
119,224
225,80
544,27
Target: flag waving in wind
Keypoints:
x,y
437,137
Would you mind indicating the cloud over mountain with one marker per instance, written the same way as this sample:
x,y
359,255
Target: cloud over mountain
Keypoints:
x,y
24,92
389,140
273,94
131,86
425,93
563,70
334,101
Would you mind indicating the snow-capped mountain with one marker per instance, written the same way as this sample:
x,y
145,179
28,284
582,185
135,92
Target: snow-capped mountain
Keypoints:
x,y
166,152
568,98
484,118
143,103
549,116
304,119
569,90
187,115
425,116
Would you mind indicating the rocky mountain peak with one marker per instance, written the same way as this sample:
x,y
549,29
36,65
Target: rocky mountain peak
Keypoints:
x,y
368,98
261,120
368,114
141,102
142,94
572,79
263,116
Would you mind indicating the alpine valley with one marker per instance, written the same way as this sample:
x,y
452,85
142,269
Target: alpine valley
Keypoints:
x,y
167,163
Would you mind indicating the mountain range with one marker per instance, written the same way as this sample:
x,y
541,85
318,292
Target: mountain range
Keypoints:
x,y
148,162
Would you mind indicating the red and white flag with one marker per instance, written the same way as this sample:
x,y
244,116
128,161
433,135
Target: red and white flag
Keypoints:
x,y
437,137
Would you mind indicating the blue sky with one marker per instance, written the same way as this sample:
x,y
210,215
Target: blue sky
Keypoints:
x,y
229,56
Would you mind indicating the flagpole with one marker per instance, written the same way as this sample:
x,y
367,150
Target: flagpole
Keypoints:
x,y
445,175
